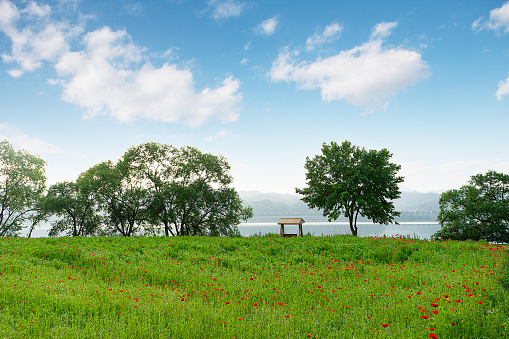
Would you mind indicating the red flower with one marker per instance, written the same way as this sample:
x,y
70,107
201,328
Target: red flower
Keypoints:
x,y
281,304
255,304
385,325
434,305
308,335
452,324
433,335
434,312
425,316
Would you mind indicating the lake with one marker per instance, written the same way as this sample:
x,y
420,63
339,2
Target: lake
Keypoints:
x,y
423,230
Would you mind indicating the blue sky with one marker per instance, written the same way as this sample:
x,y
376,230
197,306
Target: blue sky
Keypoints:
x,y
263,83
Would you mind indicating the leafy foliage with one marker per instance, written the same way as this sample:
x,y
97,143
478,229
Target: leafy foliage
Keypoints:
x,y
22,182
478,210
188,189
76,208
347,180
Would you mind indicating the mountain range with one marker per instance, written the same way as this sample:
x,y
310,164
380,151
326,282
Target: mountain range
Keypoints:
x,y
267,207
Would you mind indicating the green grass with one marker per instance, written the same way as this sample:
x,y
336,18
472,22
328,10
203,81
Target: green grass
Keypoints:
x,y
263,287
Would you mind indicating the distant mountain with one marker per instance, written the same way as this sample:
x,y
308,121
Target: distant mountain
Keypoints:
x,y
269,207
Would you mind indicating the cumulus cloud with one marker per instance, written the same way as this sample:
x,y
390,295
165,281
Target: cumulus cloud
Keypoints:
x,y
226,9
366,75
329,34
32,45
268,27
498,20
104,79
110,75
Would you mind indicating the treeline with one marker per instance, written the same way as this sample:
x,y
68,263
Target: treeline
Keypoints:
x,y
153,189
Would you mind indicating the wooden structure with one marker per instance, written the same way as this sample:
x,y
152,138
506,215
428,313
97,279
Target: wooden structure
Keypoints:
x,y
290,221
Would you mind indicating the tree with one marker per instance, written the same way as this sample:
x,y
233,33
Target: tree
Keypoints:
x,y
478,210
22,182
76,208
189,189
348,180
122,198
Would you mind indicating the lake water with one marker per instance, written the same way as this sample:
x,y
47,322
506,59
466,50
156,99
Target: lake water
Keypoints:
x,y
423,230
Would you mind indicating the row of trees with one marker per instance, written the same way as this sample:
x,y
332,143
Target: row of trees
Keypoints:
x,y
152,189
159,189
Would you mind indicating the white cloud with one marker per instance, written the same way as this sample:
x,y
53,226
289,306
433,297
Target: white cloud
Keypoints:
x,y
383,30
268,27
35,43
103,79
367,75
498,21
503,89
226,9
111,75
329,34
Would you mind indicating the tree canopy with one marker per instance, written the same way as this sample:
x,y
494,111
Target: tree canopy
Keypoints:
x,y
478,210
348,180
22,183
189,190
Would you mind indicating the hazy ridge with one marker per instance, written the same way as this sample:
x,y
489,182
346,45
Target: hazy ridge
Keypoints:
x,y
267,207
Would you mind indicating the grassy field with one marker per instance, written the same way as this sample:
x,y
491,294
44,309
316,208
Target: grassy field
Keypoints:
x,y
265,287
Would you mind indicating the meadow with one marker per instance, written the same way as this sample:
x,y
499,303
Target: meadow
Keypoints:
x,y
257,287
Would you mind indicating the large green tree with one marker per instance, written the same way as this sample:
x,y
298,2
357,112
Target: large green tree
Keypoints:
x,y
189,189
348,180
478,210
122,198
22,183
75,207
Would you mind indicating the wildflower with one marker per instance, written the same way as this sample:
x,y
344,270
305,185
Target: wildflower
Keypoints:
x,y
425,316
385,325
433,335
434,312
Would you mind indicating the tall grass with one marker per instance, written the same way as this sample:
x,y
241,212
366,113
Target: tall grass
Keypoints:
x,y
260,287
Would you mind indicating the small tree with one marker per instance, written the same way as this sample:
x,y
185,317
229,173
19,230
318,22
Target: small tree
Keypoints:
x,y
347,180
478,210
22,182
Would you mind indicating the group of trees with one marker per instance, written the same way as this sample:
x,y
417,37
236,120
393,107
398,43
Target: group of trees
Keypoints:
x,y
159,189
152,189
348,180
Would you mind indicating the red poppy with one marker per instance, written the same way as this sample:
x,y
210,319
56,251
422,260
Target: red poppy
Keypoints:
x,y
434,312
434,305
308,335
281,304
425,316
385,325
433,335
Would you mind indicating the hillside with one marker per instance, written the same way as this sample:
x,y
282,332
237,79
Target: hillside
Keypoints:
x,y
267,207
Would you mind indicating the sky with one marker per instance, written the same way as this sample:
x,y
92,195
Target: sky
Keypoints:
x,y
263,83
